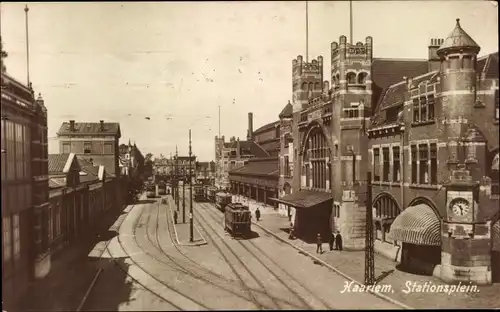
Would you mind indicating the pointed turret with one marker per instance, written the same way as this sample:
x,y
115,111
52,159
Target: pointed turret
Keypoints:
x,y
458,40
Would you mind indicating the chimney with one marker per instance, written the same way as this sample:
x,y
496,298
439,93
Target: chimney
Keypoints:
x,y
250,127
102,124
71,125
434,62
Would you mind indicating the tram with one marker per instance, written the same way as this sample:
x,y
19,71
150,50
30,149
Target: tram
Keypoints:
x,y
150,190
222,199
237,219
198,193
210,195
162,188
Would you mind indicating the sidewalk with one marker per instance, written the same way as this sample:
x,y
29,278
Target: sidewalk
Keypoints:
x,y
70,275
182,230
352,264
252,205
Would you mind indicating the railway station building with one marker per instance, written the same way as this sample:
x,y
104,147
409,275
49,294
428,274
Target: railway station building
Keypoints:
x,y
423,132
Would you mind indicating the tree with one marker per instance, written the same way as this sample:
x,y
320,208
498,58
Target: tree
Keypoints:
x,y
3,55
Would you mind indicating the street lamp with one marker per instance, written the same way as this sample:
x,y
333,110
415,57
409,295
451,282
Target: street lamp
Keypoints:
x,y
190,193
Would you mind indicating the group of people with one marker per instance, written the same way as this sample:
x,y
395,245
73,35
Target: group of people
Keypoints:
x,y
335,239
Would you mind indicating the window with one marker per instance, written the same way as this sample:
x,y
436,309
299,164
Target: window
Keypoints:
x,y
10,153
307,175
87,148
423,162
7,240
108,148
376,164
416,110
362,78
423,108
66,148
351,78
396,166
433,157
287,167
414,158
17,238
386,164
430,107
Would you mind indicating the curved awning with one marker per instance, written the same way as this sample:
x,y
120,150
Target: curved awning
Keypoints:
x,y
495,235
417,225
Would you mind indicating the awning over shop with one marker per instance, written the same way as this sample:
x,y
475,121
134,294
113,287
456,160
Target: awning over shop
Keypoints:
x,y
417,225
304,198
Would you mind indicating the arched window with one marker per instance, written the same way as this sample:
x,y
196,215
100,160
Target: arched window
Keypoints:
x,y
351,78
311,86
362,78
386,210
304,86
317,153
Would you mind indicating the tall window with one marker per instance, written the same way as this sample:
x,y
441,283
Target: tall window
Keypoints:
x,y
307,175
351,78
17,237
376,164
11,149
66,148
7,239
416,110
19,151
87,147
396,166
423,162
287,167
414,158
423,108
385,176
433,156
430,107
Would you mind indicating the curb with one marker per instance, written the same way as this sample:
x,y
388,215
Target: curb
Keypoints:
x,y
204,242
381,296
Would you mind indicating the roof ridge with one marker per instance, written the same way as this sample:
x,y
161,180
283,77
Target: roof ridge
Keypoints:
x,y
398,59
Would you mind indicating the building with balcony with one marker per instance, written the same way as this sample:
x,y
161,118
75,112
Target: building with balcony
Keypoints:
x,y
25,189
424,133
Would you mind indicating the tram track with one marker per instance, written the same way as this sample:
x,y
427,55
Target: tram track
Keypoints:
x,y
115,263
306,305
244,266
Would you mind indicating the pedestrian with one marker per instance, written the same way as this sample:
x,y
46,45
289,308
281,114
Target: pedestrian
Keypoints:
x,y
291,236
257,214
332,241
175,216
338,241
319,244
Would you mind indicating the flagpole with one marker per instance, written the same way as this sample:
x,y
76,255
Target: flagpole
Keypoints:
x,y
307,33
27,46
350,21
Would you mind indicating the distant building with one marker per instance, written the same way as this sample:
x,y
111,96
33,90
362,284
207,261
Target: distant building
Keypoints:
x,y
94,141
25,191
131,160
205,172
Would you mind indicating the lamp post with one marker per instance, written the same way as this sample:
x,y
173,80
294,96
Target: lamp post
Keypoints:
x,y
184,197
190,193
369,243
176,178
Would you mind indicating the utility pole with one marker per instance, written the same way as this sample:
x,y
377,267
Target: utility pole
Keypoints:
x,y
369,243
27,48
190,193
184,197
176,178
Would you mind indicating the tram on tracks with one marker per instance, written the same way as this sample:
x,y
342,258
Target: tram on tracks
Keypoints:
x,y
222,199
162,188
150,190
198,195
237,220
210,194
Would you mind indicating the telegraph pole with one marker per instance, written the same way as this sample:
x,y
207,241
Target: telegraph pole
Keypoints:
x,y
190,193
27,47
176,178
184,198
369,243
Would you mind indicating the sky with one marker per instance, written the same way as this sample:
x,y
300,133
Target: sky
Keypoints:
x,y
177,62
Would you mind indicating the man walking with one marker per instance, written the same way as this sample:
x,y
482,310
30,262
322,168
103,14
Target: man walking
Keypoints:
x,y
332,241
319,244
175,216
257,214
338,241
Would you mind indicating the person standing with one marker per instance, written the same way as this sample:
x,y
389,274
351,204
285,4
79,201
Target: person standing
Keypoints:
x,y
175,216
319,244
257,214
338,241
332,241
